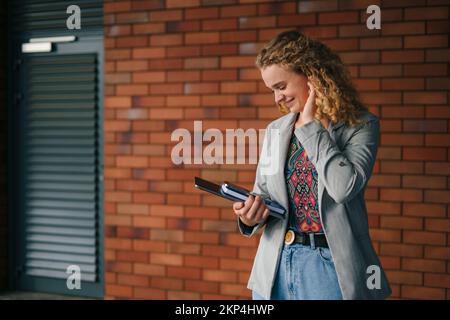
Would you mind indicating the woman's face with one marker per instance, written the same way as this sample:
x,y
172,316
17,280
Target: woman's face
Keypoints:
x,y
288,86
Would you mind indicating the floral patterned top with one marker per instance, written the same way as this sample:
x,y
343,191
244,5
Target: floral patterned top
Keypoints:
x,y
302,186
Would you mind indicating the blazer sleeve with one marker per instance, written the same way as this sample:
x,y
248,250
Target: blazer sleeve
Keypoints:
x,y
259,187
343,173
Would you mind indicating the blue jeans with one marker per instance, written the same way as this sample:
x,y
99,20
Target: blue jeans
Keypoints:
x,y
305,273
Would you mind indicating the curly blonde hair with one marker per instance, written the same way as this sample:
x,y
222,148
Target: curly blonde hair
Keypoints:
x,y
336,97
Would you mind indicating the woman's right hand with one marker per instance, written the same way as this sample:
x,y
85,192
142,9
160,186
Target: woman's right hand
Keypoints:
x,y
251,212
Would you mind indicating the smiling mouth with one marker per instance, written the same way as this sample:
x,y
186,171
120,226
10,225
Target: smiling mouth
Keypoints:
x,y
289,103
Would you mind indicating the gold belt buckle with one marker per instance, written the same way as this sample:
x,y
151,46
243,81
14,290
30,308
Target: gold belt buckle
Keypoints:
x,y
289,237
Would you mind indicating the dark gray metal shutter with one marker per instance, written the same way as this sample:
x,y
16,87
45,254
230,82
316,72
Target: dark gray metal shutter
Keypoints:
x,y
61,159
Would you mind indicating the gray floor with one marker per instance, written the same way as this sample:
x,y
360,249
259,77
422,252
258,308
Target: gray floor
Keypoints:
x,y
20,295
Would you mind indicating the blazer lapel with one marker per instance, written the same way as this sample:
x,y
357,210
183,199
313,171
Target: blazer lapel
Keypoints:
x,y
285,132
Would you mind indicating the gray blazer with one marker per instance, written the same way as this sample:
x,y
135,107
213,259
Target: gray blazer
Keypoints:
x,y
343,157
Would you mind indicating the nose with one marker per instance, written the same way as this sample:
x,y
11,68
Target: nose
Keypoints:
x,y
278,97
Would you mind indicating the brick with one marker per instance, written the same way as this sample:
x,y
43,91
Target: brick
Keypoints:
x,y
402,139
148,53
318,6
428,69
425,154
201,13
437,168
149,293
238,11
219,24
234,289
166,259
166,15
342,44
132,65
347,17
141,209
390,263
405,277
148,28
381,43
166,40
118,290
437,26
401,223
219,276
428,41
439,140
131,42
115,266
385,235
423,237
201,63
201,286
438,55
406,195
389,153
381,71
148,197
150,270
383,208
238,36
149,77
437,225
183,248
360,30
424,210
437,280
426,13
166,284
201,262
360,57
165,64
380,98
403,28
201,38
401,250
403,84
120,6
402,56
415,292
183,295
438,84
259,22
423,182
440,253
183,272
117,102
423,265
436,196
166,210
182,26
403,112
132,280
297,20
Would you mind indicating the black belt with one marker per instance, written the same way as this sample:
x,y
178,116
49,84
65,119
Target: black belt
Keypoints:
x,y
293,237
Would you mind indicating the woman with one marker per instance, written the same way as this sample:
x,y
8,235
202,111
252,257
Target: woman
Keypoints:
x,y
328,143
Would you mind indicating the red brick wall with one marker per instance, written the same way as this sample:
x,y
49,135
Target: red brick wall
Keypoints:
x,y
3,144
171,62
